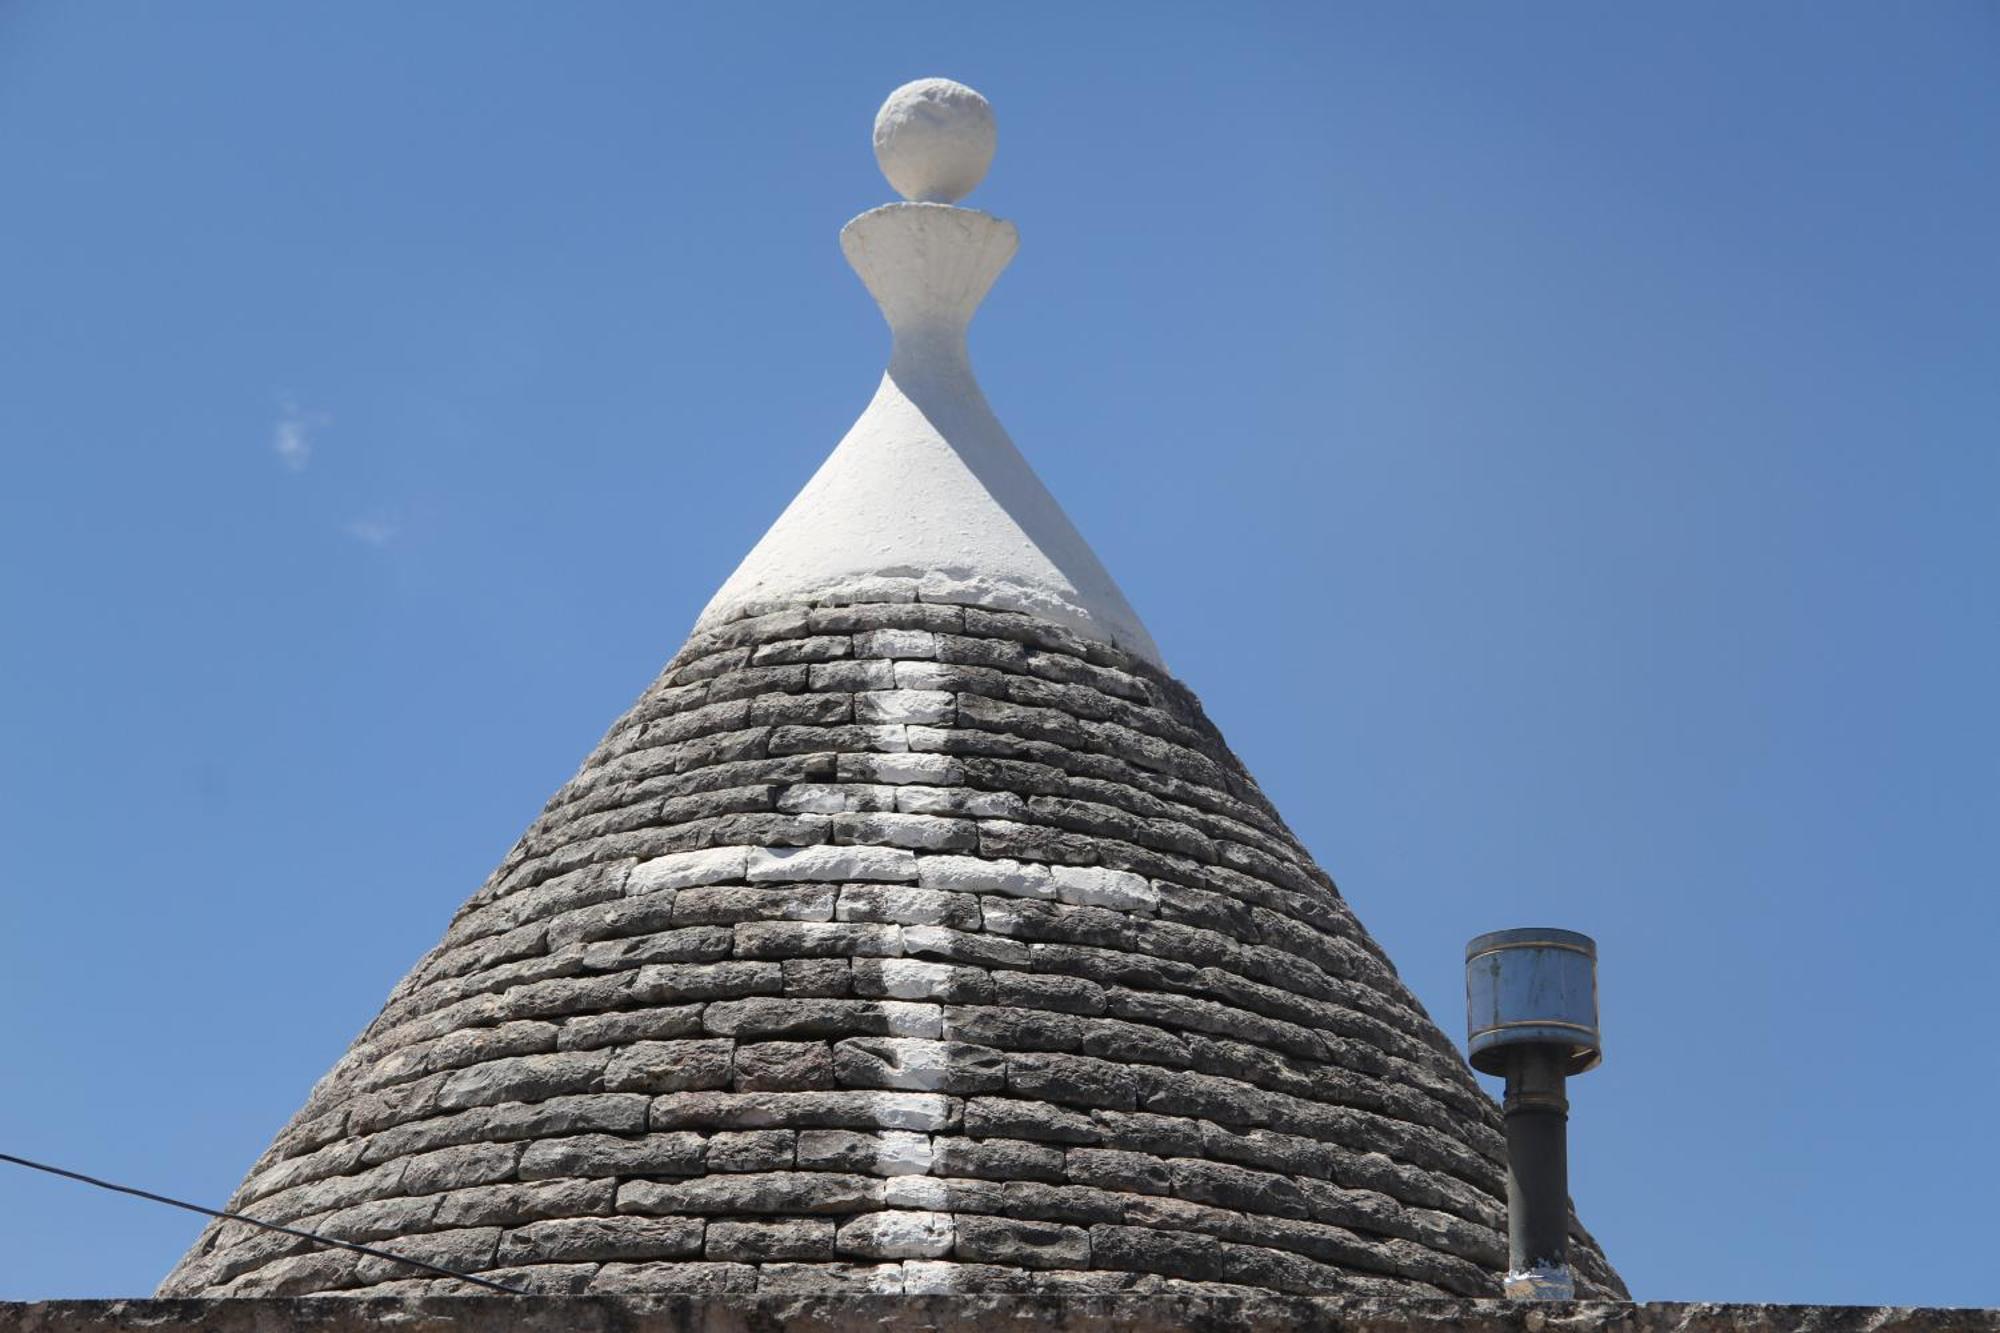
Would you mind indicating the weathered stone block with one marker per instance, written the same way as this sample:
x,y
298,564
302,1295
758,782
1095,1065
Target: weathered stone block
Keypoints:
x,y
620,1028
820,648
609,1155
1031,990
902,904
813,710
965,946
512,1205
733,903
1077,1204
670,1066
773,864
1134,1043
1144,1132
963,802
895,643
890,771
770,830
760,1242
805,1110
751,1150
525,1078
829,1279
565,996
1094,886
1012,1029
697,1279
887,1152
920,832
816,939
929,708
753,681
931,1194
997,1159
917,1064
1013,1118
816,798
1002,654
976,874
1076,1080
681,870
813,1192
1025,1244
916,979
668,946
850,676
818,978
373,1220
1125,1172
896,1235
1237,1187
766,1016
850,738
684,982
776,1066
597,1239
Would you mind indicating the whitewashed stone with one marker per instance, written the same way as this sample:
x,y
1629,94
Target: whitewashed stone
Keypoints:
x,y
934,140
902,1153
896,643
683,870
924,676
814,799
1094,886
782,864
909,979
960,801
904,905
928,708
896,1234
927,480
915,1191
974,874
906,1018
904,768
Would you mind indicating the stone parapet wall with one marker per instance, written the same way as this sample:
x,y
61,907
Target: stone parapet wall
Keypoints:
x,y
961,1314
896,947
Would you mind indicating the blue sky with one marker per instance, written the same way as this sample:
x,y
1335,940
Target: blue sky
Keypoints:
x,y
1557,441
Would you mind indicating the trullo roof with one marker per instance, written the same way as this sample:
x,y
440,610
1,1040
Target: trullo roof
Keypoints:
x,y
914,932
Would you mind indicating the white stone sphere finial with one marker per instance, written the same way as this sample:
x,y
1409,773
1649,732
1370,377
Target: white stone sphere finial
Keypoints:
x,y
934,140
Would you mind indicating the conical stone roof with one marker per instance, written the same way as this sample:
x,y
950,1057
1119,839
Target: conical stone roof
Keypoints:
x,y
914,932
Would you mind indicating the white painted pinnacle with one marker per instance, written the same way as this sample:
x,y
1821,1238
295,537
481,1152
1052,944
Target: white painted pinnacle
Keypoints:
x,y
934,140
926,498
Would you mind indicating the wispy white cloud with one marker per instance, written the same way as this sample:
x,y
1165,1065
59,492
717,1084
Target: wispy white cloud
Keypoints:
x,y
371,531
292,437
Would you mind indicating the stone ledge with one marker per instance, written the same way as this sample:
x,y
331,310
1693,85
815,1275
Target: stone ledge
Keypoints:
x,y
958,1314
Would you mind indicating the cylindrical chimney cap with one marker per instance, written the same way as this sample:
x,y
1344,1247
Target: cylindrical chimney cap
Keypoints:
x,y
1531,985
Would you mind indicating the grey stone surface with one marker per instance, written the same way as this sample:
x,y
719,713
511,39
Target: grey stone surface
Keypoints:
x,y
726,1298
896,947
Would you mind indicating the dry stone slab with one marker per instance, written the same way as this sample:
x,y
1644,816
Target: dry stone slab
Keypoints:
x,y
827,863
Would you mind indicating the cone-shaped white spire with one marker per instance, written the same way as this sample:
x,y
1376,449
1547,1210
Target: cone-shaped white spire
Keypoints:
x,y
926,494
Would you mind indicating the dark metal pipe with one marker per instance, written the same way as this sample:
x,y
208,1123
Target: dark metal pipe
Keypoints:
x,y
1531,1017
1537,1159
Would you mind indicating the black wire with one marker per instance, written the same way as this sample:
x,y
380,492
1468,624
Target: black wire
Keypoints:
x,y
268,1226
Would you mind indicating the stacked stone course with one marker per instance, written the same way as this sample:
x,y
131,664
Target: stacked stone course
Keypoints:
x,y
896,947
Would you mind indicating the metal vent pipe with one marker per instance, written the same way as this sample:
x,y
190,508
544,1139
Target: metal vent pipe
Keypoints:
x,y
1531,1017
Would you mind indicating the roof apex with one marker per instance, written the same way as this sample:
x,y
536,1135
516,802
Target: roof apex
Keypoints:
x,y
926,490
